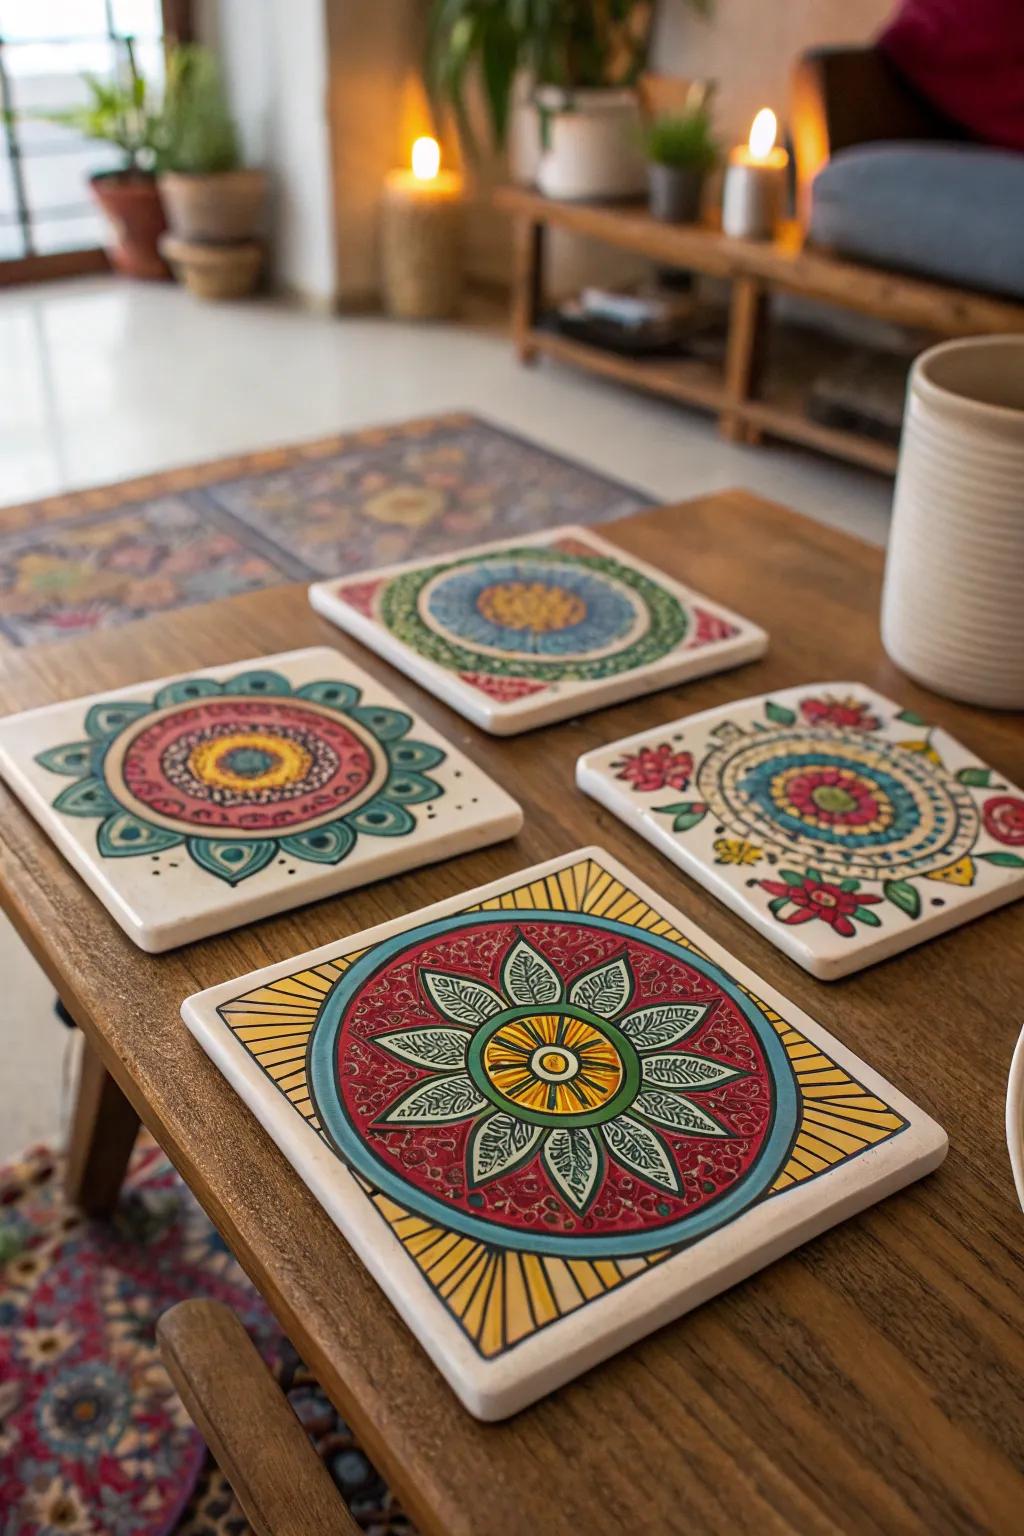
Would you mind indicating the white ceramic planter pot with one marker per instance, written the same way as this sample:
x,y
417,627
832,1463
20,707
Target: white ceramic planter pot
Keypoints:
x,y
594,146
953,603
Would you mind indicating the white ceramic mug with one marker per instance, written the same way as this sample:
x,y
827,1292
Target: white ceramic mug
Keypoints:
x,y
953,603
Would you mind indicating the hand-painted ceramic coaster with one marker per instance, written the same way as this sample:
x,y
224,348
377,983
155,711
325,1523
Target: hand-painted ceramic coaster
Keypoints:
x,y
197,803
519,634
838,824
551,1115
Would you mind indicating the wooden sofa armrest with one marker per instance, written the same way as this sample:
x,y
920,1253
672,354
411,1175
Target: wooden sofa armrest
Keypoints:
x,y
243,1416
845,96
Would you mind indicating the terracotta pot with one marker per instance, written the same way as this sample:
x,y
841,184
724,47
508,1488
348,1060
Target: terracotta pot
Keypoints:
x,y
131,202
214,271
226,206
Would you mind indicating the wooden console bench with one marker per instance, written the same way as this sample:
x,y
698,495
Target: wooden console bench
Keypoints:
x,y
755,270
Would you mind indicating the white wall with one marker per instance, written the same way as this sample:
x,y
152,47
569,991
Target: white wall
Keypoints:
x,y
274,56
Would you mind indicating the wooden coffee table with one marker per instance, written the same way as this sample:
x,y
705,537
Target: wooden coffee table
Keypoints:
x,y
872,1381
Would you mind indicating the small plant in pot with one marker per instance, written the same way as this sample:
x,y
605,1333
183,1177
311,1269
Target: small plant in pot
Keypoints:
x,y
119,113
579,61
215,206
681,151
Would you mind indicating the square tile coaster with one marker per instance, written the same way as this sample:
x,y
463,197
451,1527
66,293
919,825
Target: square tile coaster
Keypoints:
x,y
197,803
525,632
551,1115
840,825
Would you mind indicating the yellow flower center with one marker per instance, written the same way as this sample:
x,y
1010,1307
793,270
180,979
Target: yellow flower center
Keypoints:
x,y
554,1063
531,605
249,761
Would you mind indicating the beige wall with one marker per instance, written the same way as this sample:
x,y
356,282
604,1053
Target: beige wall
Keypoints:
x,y
749,47
274,58
376,107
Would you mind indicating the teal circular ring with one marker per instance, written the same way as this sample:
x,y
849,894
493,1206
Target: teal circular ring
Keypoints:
x,y
322,1053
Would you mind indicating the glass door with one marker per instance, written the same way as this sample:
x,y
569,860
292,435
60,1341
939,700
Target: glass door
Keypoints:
x,y
49,224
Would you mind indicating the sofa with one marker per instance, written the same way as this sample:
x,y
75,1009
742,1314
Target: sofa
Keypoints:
x,y
885,177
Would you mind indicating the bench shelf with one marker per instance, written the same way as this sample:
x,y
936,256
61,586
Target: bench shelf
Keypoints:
x,y
747,403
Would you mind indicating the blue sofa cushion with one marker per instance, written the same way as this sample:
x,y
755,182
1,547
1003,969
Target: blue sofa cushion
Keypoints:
x,y
954,212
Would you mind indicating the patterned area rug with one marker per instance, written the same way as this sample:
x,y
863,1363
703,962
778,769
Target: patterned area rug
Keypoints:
x,y
84,561
93,1438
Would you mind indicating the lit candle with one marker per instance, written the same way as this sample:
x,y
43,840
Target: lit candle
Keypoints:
x,y
421,223
755,182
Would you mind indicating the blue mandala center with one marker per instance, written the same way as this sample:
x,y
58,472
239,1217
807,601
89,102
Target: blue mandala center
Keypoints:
x,y
249,762
531,607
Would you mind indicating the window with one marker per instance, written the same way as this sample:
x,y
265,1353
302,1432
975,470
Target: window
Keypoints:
x,y
45,48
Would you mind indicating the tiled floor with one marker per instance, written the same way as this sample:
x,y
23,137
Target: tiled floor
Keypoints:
x,y
100,380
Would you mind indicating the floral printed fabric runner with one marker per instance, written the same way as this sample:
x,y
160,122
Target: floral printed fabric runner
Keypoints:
x,y
93,1438
75,563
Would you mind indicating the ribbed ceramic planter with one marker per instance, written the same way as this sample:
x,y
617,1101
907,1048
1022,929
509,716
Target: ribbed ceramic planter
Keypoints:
x,y
953,604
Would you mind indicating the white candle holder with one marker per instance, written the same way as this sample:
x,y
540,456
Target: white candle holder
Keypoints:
x,y
754,193
753,197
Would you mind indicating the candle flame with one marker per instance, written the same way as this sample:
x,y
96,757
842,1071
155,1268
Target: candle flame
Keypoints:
x,y
762,134
426,159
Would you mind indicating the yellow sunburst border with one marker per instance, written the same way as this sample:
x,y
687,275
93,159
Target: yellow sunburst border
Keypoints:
x,y
499,1296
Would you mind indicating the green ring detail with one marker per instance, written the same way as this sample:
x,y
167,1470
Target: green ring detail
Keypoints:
x,y
669,622
616,1105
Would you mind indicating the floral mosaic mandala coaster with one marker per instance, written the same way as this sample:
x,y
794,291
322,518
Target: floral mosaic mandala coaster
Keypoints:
x,y
840,825
519,634
198,803
551,1115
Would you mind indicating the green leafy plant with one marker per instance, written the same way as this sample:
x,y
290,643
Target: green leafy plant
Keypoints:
x,y
118,112
569,44
684,142
196,133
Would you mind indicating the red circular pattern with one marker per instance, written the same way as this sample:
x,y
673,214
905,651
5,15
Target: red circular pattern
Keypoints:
x,y
432,1158
804,790
1004,819
349,765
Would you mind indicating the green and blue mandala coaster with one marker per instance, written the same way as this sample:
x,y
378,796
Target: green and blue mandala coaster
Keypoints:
x,y
839,824
197,803
528,631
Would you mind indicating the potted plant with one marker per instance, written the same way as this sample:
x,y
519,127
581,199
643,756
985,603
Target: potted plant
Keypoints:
x,y
581,60
681,150
207,193
215,206
119,113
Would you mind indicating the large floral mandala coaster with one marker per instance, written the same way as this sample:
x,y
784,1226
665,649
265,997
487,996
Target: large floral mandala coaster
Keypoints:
x,y
841,825
551,1115
519,634
196,803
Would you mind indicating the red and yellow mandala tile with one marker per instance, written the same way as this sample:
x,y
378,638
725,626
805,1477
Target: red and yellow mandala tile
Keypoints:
x,y
578,1132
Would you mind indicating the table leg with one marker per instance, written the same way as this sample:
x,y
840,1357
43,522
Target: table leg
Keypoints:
x,y
527,285
742,357
103,1133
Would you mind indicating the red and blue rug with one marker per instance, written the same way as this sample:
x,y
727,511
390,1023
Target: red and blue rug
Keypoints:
x,y
93,1439
74,563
